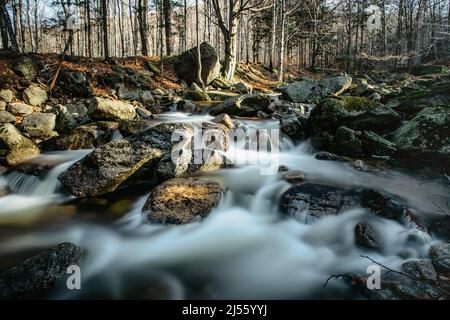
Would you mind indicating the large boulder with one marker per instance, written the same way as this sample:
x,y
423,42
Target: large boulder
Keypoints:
x,y
104,169
88,136
35,95
366,143
106,109
37,276
38,124
15,147
313,91
310,201
182,200
138,157
355,113
428,131
243,105
25,67
185,65
440,256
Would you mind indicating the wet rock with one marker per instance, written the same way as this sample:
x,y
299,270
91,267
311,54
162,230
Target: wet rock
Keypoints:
x,y
25,67
76,83
88,136
130,127
19,109
225,120
107,167
355,143
35,95
35,277
366,236
185,65
38,124
17,147
347,142
314,90
182,200
243,105
6,117
310,201
106,109
294,176
440,256
421,269
292,126
186,106
356,113
6,95
424,69
382,204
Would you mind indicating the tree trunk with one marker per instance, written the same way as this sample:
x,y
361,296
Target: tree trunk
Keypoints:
x,y
7,23
273,35
105,28
167,7
199,57
282,40
143,26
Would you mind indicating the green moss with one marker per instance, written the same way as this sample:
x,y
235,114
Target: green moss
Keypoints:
x,y
351,103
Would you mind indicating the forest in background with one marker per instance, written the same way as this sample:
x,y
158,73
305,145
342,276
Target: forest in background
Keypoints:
x,y
280,34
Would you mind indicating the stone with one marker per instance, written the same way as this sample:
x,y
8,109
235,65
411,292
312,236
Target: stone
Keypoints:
x,y
125,93
25,67
294,177
224,119
382,204
89,136
106,109
35,95
147,98
104,169
311,201
18,148
2,105
366,236
76,83
292,127
38,124
356,113
185,65
242,105
440,256
37,276
242,88
6,95
6,117
314,90
19,109
421,269
182,200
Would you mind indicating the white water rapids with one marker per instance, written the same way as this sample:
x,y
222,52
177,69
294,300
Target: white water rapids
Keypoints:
x,y
244,249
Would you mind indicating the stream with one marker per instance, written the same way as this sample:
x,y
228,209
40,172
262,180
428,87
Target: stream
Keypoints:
x,y
245,248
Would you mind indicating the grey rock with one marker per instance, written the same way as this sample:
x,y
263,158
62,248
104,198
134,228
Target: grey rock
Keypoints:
x,y
38,124
106,109
6,117
19,109
35,95
18,147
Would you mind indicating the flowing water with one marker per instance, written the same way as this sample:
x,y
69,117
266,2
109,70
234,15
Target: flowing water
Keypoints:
x,y
244,249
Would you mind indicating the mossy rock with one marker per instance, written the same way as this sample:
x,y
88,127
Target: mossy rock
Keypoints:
x,y
356,113
428,131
